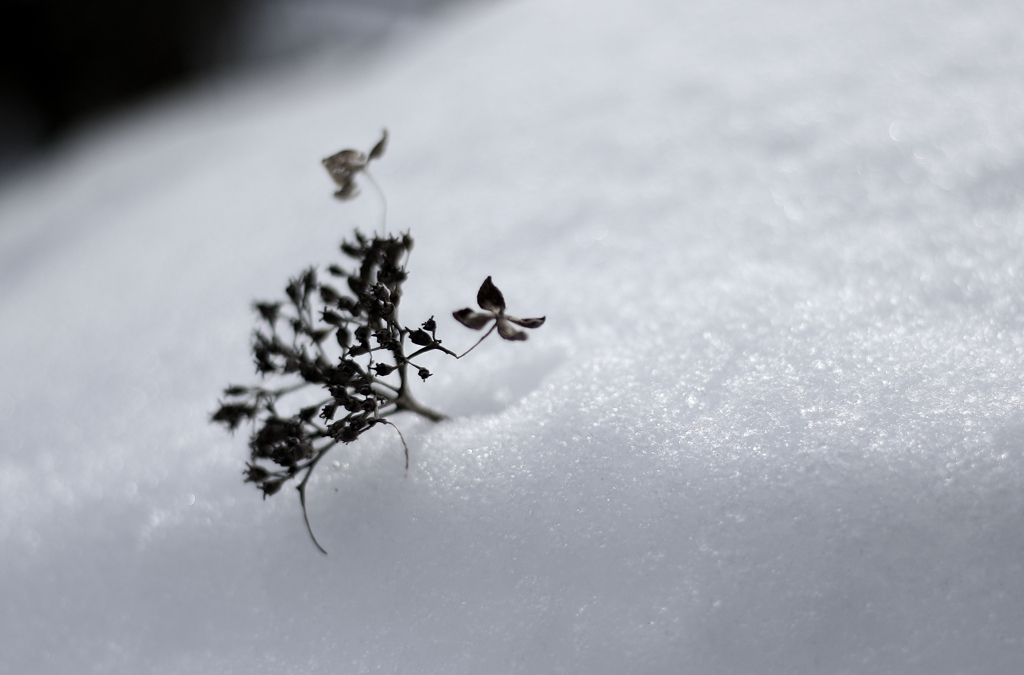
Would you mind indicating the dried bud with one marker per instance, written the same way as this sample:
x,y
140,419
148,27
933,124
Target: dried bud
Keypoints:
x,y
254,473
272,487
328,294
294,291
308,281
232,414
268,310
421,337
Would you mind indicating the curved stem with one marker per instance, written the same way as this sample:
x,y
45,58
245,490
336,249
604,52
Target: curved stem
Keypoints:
x,y
404,444
302,494
383,201
430,348
478,341
385,384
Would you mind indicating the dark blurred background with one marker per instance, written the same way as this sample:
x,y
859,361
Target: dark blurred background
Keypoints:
x,y
63,62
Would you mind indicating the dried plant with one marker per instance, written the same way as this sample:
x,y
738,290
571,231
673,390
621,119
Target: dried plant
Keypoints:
x,y
347,342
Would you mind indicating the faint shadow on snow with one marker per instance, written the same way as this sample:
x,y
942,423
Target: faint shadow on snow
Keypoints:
x,y
492,384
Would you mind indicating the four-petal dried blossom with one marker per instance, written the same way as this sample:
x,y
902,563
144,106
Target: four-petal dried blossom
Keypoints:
x,y
492,302
343,167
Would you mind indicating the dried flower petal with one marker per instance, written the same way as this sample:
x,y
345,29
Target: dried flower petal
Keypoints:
x,y
471,319
378,150
343,167
489,297
506,331
348,190
527,323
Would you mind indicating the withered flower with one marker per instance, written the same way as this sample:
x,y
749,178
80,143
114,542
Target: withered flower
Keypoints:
x,y
492,302
365,377
344,166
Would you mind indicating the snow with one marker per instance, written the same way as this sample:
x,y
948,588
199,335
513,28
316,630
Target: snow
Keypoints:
x,y
772,425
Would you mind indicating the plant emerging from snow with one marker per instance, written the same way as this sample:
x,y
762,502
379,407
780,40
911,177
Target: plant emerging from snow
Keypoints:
x,y
350,345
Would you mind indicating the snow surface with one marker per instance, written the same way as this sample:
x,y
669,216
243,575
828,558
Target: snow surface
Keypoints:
x,y
774,423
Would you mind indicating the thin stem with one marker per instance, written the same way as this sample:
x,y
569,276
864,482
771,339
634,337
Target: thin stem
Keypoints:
x,y
410,404
385,384
383,201
277,393
404,444
449,352
302,494
430,348
478,341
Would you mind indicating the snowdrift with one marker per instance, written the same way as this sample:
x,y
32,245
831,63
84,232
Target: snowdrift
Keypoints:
x,y
773,424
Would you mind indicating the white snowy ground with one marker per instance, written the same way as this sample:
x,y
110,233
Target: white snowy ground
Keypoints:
x,y
774,423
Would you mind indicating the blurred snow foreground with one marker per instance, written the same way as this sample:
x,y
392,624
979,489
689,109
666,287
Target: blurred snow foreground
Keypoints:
x,y
774,423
